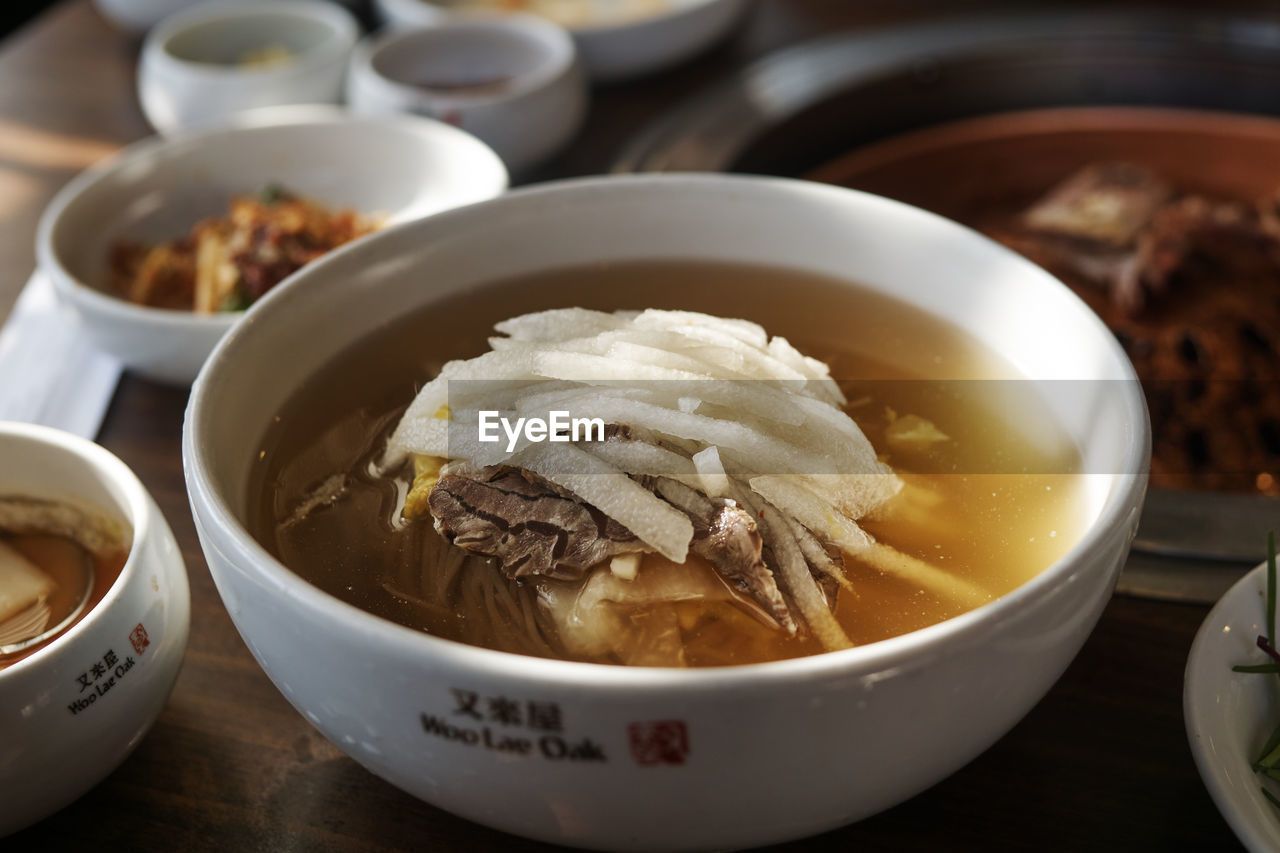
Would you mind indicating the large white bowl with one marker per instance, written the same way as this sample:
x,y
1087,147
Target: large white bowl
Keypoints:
x,y
774,751
1230,714
401,166
188,76
59,737
614,52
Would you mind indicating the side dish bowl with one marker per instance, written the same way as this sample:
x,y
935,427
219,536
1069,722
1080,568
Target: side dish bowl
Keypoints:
x,y
138,16
613,52
1229,714
155,190
216,59
796,746
514,81
73,710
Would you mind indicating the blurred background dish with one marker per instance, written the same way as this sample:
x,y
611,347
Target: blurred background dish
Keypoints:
x,y
1228,714
216,59
156,190
75,707
512,80
408,14
138,16
618,40
972,118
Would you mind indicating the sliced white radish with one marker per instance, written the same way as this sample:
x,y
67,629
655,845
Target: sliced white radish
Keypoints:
x,y
559,324
790,495
638,457
654,521
744,330
712,479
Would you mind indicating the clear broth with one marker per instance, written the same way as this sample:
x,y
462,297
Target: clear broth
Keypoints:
x,y
995,529
65,561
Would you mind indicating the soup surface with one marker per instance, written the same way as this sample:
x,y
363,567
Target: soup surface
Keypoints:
x,y
960,510
67,569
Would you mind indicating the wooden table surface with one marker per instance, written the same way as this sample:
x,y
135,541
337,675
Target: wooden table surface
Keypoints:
x,y
1101,763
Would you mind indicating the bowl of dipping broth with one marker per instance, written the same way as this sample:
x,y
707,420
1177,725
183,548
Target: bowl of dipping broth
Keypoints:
x,y
758,575
94,611
513,81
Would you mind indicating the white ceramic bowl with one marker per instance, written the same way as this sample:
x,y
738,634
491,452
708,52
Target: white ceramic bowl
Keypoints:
x,y
775,750
403,167
138,16
614,52
189,72
1230,714
57,737
537,108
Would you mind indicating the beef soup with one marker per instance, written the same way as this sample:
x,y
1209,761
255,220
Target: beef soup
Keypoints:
x,y
502,553
342,424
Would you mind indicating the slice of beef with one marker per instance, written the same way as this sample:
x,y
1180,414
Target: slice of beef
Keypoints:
x,y
727,536
529,525
1104,204
1090,224
1196,238
534,528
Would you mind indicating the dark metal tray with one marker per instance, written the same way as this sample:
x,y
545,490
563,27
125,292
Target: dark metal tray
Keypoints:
x,y
801,107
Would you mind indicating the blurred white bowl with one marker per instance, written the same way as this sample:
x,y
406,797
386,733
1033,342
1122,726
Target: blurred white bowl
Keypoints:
x,y
613,52
138,16
1230,714
193,68
59,738
403,167
514,81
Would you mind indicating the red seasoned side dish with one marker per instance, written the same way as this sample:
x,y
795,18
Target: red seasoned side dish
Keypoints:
x,y
226,263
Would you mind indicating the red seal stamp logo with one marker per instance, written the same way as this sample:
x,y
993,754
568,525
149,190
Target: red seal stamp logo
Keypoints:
x,y
138,637
659,742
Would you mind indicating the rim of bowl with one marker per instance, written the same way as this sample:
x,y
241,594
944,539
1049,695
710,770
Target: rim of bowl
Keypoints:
x,y
677,10
907,650
564,54
137,504
1213,773
343,31
71,287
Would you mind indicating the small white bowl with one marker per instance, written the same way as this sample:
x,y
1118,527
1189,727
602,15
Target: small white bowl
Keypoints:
x,y
759,753
60,737
138,16
1230,714
402,167
190,73
534,105
614,52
